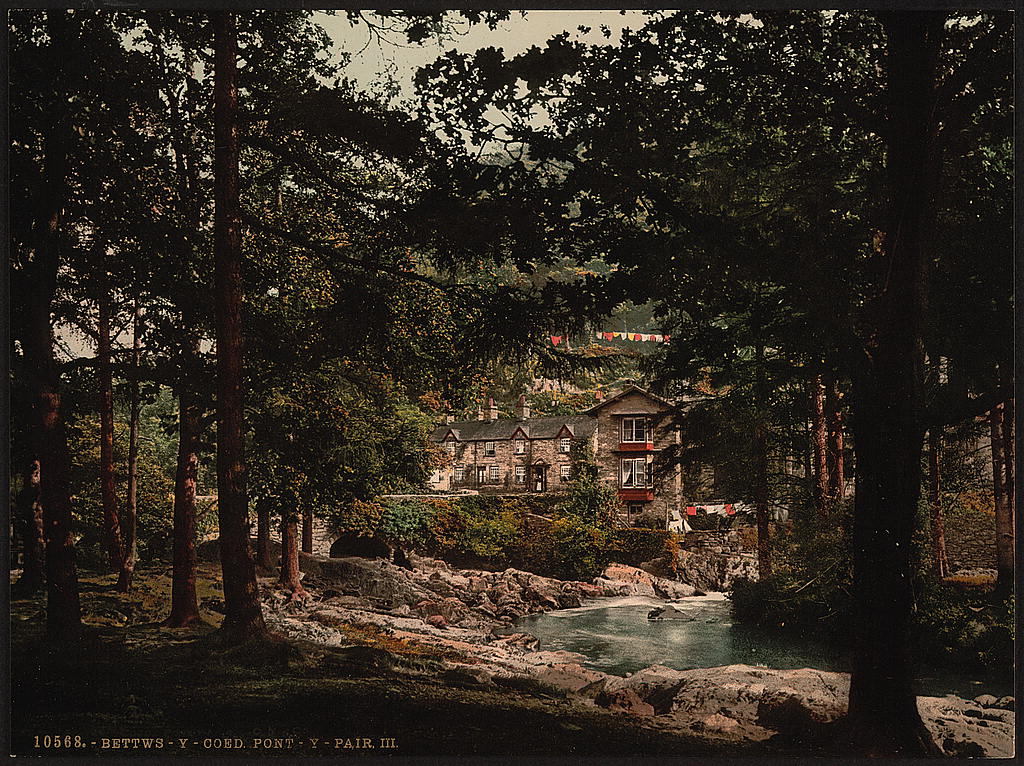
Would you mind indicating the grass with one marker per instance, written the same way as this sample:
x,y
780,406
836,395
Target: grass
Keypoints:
x,y
129,678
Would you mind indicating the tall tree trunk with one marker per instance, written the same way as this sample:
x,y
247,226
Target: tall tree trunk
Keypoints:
x,y
819,438
131,515
307,531
834,450
184,606
108,487
244,617
761,493
1004,517
290,554
1005,520
29,517
940,562
264,561
888,395
63,609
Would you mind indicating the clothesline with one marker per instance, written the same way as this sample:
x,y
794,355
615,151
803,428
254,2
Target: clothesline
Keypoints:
x,y
610,335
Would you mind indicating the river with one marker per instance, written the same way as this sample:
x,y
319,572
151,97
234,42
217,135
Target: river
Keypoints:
x,y
616,637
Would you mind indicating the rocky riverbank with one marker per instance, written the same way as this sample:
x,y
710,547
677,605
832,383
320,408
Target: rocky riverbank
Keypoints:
x,y
466,618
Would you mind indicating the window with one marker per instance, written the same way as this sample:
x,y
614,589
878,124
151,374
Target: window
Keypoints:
x,y
563,472
489,449
450,448
520,474
635,509
563,445
495,473
520,445
634,429
636,472
460,473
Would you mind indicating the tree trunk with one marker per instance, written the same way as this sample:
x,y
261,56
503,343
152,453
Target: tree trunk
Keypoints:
x,y
244,617
307,531
264,561
1004,517
834,451
1005,521
63,609
184,606
108,487
761,503
29,516
888,393
290,554
940,562
131,515
819,443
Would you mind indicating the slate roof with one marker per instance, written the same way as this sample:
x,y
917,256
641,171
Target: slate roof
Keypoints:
x,y
582,426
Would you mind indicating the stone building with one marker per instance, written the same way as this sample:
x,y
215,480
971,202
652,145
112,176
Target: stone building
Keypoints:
x,y
626,432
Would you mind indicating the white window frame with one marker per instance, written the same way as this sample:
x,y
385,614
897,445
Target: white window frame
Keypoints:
x,y
564,472
565,444
489,450
450,447
520,446
520,474
629,435
460,473
633,465
494,473
634,509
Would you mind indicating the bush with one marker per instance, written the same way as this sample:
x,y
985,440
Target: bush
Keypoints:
x,y
635,546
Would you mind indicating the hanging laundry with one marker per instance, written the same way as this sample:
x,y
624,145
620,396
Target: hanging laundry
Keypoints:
x,y
729,510
691,510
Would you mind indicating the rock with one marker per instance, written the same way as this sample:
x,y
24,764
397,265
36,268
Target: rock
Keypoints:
x,y
437,620
468,675
986,700
570,677
1004,703
520,641
624,701
961,728
350,544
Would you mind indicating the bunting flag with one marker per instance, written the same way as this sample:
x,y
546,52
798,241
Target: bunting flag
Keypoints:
x,y
691,510
729,510
556,339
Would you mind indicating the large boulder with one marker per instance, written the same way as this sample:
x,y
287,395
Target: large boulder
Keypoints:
x,y
351,544
966,729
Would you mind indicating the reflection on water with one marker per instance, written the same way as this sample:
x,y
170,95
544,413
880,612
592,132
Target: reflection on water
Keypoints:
x,y
618,638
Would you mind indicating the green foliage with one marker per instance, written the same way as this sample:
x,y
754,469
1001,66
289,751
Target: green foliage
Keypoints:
x,y
811,583
155,499
956,625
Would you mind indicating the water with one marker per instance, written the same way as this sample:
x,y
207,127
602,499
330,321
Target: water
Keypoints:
x,y
616,637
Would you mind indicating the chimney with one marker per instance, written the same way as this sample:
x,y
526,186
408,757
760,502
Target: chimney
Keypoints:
x,y
599,394
522,408
449,418
479,412
492,410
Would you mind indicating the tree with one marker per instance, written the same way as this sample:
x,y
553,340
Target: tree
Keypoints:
x,y
244,617
830,162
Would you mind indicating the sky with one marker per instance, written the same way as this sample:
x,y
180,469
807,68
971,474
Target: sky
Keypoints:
x,y
514,36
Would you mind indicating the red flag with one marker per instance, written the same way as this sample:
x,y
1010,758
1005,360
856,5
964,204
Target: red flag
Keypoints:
x,y
691,510
666,337
556,339
728,509
608,335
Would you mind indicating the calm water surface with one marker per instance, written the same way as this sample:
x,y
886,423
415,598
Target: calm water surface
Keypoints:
x,y
616,637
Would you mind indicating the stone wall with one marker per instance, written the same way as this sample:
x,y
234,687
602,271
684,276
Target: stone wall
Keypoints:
x,y
471,455
971,540
667,490
714,541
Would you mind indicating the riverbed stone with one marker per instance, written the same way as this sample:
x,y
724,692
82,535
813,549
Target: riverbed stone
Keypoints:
x,y
569,677
624,701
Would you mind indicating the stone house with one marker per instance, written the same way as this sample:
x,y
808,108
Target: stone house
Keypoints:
x,y
523,455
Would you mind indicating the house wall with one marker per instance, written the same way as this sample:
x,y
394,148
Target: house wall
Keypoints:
x,y
667,490
471,455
